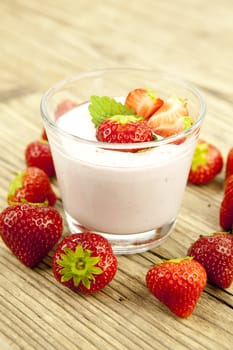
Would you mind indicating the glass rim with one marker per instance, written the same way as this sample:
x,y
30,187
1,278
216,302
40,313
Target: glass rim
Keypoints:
x,y
155,143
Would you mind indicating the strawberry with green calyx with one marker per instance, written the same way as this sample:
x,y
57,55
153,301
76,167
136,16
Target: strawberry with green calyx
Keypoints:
x,y
143,102
207,162
229,163
226,208
215,253
177,283
38,154
124,129
84,262
31,186
30,231
103,107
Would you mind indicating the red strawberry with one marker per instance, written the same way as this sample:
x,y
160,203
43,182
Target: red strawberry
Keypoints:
x,y
206,164
38,154
172,118
64,107
84,262
44,135
229,163
32,186
215,253
177,283
124,129
30,231
226,208
144,102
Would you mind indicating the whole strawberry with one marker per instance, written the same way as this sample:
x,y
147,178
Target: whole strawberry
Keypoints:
x,y
38,154
226,208
206,164
30,231
177,283
215,253
229,163
124,129
64,107
84,262
33,186
61,108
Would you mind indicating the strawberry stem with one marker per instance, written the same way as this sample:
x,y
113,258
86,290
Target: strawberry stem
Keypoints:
x,y
178,260
79,265
124,119
188,121
151,93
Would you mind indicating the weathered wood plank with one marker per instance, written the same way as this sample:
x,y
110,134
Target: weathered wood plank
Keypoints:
x,y
41,43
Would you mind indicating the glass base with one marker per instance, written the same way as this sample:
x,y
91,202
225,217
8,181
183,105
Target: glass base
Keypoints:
x,y
129,243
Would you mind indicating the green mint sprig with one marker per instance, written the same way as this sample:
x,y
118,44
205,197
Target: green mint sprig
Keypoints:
x,y
103,107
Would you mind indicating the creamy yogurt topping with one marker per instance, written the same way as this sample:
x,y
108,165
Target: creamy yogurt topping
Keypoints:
x,y
78,122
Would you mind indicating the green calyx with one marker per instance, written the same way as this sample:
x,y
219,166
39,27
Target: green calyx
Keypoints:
x,y
188,121
151,93
124,119
15,184
79,265
178,260
200,156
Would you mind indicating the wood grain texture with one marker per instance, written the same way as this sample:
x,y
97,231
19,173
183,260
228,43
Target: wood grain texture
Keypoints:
x,y
45,41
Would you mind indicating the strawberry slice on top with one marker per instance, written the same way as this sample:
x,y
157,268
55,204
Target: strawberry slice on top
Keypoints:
x,y
144,102
172,118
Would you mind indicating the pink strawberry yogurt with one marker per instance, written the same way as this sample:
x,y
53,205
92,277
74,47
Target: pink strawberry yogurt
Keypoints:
x,y
119,192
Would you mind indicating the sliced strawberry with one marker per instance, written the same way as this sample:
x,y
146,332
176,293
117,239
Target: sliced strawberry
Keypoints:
x,y
144,102
172,118
165,126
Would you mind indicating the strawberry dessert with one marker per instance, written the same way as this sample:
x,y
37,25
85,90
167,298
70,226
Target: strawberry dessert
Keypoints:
x,y
122,163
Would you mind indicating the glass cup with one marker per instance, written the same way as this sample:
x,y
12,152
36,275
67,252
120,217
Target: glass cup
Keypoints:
x,y
132,198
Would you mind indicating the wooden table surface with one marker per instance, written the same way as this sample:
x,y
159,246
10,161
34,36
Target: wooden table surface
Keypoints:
x,y
45,41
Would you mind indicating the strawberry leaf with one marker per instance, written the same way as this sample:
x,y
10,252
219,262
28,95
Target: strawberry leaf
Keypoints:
x,y
103,107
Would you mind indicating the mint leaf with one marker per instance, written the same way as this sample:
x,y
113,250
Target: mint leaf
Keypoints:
x,y
103,107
